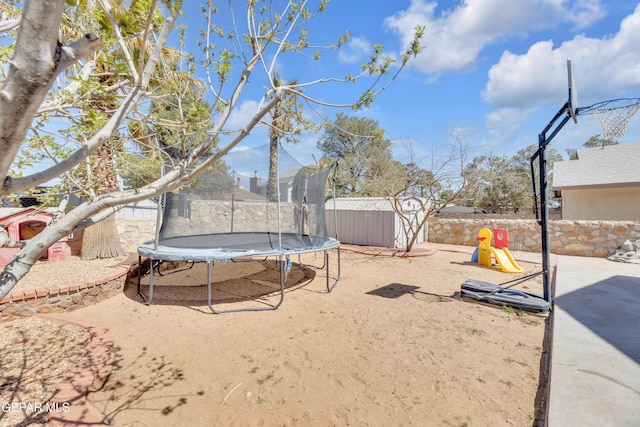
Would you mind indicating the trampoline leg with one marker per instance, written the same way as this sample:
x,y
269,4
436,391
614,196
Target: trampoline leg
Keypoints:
x,y
150,283
326,262
139,277
144,298
283,279
209,289
311,265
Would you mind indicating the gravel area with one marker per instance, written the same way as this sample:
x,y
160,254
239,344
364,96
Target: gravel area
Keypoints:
x,y
35,354
69,271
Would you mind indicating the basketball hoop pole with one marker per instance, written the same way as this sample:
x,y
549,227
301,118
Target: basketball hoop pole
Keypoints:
x,y
614,116
543,215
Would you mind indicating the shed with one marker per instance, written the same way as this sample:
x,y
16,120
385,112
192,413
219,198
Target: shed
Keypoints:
x,y
23,224
371,221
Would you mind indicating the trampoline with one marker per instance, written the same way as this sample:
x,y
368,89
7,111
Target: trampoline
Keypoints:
x,y
226,215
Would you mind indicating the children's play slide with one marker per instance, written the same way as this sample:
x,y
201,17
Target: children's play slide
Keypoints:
x,y
505,260
500,253
499,258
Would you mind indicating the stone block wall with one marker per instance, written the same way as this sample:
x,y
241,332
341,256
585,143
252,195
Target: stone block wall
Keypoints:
x,y
209,217
134,232
206,217
566,237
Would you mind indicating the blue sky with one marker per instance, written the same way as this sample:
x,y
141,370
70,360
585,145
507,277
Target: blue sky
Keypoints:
x,y
493,72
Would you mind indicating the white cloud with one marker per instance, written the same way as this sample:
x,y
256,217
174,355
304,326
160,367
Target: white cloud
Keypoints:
x,y
259,136
302,150
455,37
241,115
519,80
355,51
604,69
585,13
504,124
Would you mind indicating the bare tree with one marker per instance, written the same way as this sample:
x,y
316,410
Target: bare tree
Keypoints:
x,y
45,75
418,189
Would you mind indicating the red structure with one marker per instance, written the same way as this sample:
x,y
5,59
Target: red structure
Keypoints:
x,y
500,238
25,224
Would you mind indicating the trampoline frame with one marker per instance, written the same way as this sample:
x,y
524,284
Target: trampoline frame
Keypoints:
x,y
163,253
227,246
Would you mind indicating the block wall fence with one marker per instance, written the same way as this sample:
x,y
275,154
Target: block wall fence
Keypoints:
x,y
566,237
579,238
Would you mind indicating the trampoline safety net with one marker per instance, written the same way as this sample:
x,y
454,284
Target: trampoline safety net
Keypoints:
x,y
235,206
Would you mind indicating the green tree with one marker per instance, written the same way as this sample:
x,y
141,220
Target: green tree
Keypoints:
x,y
99,174
505,183
522,160
177,122
419,182
592,142
363,152
498,182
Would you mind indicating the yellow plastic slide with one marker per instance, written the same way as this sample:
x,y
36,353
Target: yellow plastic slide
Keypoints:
x,y
506,261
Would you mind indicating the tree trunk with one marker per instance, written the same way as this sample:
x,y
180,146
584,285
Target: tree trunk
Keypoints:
x,y
101,240
273,184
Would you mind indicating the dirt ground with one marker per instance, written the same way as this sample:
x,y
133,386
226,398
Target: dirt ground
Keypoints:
x,y
390,345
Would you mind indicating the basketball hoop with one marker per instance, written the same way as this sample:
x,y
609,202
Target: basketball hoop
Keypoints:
x,y
615,114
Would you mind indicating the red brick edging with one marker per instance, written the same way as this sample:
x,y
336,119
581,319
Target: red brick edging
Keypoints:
x,y
69,297
71,392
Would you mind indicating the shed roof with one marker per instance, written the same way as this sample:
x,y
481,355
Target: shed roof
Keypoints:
x,y
611,166
362,204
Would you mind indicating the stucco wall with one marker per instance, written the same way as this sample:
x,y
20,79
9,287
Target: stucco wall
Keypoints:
x,y
580,238
612,204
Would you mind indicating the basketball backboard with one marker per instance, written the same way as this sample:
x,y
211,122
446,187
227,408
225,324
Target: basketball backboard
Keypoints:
x,y
573,93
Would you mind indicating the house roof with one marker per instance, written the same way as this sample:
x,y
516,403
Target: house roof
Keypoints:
x,y
6,213
241,194
284,177
611,166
